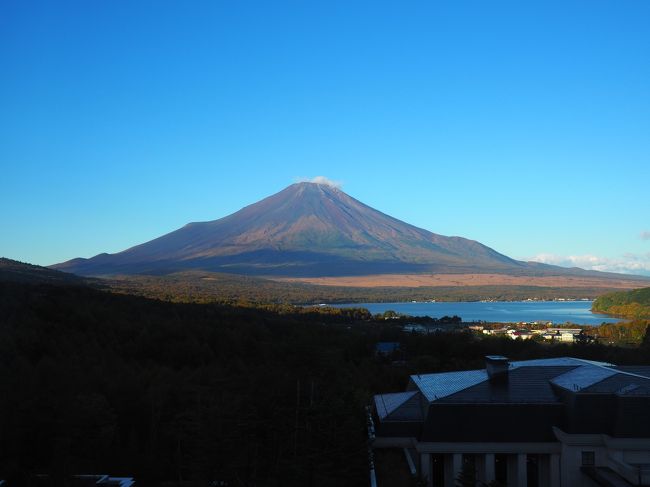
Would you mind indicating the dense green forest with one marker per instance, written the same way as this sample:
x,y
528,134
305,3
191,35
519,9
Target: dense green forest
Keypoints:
x,y
97,382
628,304
188,393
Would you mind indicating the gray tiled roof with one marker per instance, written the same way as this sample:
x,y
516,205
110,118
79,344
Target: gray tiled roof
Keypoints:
x,y
643,370
621,384
387,403
436,386
525,385
581,377
579,396
559,361
529,382
596,378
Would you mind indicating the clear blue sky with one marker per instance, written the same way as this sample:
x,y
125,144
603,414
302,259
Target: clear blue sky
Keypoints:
x,y
524,125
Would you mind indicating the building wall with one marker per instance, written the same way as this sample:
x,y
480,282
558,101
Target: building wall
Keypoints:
x,y
400,429
588,413
633,417
491,422
571,463
622,455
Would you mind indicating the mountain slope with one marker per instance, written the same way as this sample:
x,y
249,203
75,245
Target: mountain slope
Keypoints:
x,y
307,229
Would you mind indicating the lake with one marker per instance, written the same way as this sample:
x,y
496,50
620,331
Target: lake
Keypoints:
x,y
499,311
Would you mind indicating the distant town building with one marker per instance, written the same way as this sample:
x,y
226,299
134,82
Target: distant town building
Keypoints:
x,y
551,334
523,334
499,331
561,334
561,422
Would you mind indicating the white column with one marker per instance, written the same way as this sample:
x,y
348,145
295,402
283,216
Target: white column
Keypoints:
x,y
522,478
554,469
544,466
425,469
449,474
456,465
517,470
453,466
488,468
479,466
511,470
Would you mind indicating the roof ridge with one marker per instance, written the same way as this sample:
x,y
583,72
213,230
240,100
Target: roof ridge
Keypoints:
x,y
446,372
553,361
561,380
618,371
593,362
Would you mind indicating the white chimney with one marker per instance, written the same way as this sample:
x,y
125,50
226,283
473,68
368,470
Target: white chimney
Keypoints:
x,y
497,367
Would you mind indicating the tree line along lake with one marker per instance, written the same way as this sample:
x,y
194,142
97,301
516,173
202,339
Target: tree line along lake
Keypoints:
x,y
558,312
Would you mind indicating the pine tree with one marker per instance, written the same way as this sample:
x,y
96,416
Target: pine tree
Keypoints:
x,y
467,476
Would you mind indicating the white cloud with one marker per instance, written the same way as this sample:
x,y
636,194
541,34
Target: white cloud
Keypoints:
x,y
645,235
626,264
322,180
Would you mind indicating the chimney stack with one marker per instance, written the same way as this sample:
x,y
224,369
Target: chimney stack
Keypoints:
x,y
497,367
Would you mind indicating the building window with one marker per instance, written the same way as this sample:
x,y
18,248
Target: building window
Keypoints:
x,y
588,458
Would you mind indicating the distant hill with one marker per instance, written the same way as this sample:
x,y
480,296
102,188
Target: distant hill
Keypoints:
x,y
629,304
310,229
15,271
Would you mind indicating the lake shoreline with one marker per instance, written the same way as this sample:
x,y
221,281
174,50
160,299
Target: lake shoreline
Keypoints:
x,y
527,311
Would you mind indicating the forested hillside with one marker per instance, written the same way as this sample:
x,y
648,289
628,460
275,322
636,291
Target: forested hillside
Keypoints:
x,y
97,382
629,304
93,381
14,271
